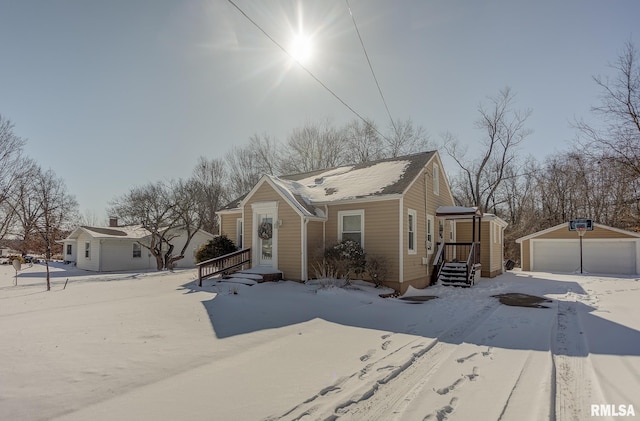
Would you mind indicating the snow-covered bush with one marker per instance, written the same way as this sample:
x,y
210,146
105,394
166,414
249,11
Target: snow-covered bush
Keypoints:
x,y
344,260
217,247
376,268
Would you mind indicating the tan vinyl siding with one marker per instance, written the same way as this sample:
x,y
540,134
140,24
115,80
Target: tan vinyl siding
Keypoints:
x,y
416,273
490,251
289,234
381,227
229,227
497,257
315,245
525,255
289,242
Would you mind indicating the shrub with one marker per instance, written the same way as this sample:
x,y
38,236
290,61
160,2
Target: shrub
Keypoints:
x,y
376,268
217,247
343,260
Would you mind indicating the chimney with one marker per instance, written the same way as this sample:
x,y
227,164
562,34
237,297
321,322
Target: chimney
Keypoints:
x,y
113,221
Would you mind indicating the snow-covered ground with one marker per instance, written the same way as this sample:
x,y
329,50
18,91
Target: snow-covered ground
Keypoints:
x,y
154,346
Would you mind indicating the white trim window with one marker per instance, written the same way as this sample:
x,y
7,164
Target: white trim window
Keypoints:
x,y
452,231
69,249
239,233
430,234
412,217
87,250
351,226
137,250
436,179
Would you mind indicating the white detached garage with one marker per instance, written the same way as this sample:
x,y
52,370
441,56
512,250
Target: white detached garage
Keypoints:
x,y
604,250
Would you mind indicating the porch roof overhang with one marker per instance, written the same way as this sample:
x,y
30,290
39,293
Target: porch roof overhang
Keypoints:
x,y
458,212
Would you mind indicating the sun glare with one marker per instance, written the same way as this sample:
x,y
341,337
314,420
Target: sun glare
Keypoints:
x,y
301,49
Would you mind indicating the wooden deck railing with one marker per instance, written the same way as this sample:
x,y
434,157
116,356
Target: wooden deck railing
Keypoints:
x,y
456,252
462,252
221,264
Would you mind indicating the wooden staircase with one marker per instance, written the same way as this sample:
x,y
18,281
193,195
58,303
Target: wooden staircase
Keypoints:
x,y
456,274
450,270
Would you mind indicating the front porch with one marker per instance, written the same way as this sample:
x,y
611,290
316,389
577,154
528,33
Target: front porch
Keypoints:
x,y
238,265
458,263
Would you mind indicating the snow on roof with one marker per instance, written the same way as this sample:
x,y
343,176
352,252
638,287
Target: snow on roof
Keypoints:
x,y
390,176
128,231
456,210
346,183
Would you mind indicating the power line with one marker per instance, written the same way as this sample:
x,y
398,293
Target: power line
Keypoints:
x,y
305,69
371,67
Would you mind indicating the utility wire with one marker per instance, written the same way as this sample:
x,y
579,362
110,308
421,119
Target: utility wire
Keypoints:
x,y
304,68
371,67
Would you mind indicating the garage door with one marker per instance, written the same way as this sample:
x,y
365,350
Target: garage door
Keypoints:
x,y
614,257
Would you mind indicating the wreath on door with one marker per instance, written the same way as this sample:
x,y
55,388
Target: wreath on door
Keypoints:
x,y
265,230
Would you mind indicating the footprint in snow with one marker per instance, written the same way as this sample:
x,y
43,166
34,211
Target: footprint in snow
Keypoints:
x,y
463,359
442,413
368,355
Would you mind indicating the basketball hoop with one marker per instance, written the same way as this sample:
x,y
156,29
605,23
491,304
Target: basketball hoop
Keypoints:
x,y
581,231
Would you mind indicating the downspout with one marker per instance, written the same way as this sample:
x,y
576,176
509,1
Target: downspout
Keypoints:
x,y
401,250
324,227
426,205
304,276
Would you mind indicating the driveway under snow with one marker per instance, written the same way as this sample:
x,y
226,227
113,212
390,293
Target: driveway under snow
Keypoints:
x,y
155,346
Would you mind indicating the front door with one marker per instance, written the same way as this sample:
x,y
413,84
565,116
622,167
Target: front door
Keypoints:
x,y
265,234
265,239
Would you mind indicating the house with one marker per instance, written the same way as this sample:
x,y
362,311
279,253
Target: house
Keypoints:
x,y
388,206
115,248
605,249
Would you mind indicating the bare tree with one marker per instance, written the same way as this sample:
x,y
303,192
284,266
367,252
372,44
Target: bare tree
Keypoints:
x,y
45,212
210,175
313,147
15,170
363,143
243,171
406,138
619,137
165,210
503,131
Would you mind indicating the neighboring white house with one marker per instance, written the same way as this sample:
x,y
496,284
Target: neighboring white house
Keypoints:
x,y
114,248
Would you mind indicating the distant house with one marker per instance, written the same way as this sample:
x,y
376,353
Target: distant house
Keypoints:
x,y
400,208
116,248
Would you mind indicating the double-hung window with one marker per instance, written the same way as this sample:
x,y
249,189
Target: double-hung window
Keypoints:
x,y
87,250
137,250
430,234
351,226
411,231
69,249
239,233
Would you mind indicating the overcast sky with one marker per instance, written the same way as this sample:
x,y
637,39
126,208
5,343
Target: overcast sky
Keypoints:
x,y
113,94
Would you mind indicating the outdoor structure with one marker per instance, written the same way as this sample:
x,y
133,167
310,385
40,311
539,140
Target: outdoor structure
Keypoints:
x,y
606,250
115,248
459,226
388,206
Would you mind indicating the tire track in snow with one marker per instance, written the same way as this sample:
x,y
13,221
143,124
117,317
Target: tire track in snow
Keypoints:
x,y
373,392
576,384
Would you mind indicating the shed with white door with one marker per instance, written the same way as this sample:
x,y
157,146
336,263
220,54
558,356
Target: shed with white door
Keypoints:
x,y
606,250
